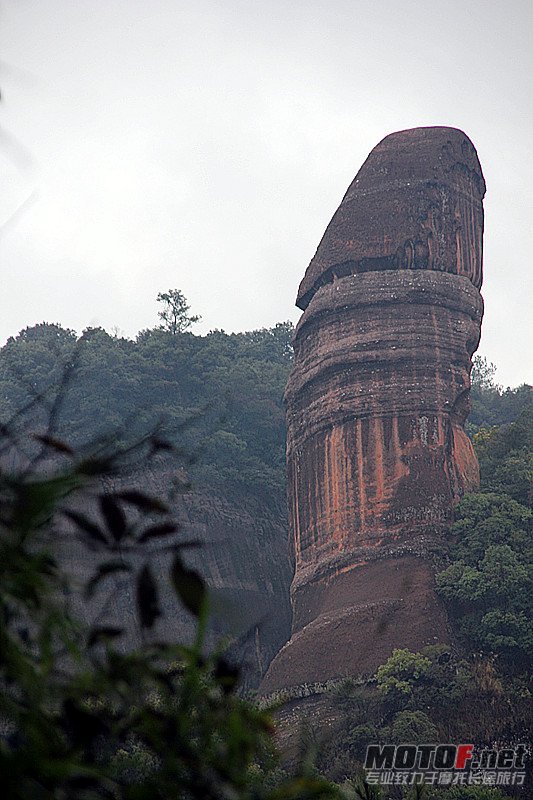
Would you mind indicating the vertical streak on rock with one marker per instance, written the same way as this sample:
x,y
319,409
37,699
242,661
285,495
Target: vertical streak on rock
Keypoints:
x,y
294,511
360,477
378,454
376,403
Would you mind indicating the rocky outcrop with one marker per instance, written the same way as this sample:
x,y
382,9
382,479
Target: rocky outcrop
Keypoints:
x,y
376,402
243,557
416,203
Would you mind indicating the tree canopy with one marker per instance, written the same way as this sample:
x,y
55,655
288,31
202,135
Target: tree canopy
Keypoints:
x,y
489,583
174,315
492,404
221,394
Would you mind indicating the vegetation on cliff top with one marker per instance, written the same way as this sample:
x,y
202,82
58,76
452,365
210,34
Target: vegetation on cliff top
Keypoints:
x,y
220,395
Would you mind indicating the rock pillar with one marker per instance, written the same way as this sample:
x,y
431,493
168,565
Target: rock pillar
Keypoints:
x,y
376,403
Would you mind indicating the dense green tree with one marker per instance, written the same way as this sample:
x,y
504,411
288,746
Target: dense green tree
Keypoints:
x,y
489,582
492,405
505,456
413,726
401,671
174,315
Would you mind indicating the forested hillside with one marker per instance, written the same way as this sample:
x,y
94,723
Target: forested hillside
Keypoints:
x,y
219,399
219,396
492,404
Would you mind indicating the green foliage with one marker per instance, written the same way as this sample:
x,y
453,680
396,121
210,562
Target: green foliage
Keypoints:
x,y
506,458
414,727
365,791
444,699
461,582
501,574
483,373
174,316
491,404
206,387
82,716
431,682
401,671
219,396
484,519
489,584
469,793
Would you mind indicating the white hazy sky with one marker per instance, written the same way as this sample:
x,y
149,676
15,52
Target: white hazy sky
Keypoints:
x,y
205,146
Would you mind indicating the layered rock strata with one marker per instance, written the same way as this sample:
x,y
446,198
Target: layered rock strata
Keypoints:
x,y
376,403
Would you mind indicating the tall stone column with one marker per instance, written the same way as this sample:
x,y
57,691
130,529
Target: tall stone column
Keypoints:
x,y
376,402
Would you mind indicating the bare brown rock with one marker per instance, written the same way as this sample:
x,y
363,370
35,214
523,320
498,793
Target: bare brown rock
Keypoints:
x,y
416,203
376,403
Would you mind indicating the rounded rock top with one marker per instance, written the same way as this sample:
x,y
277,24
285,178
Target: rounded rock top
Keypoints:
x,y
416,203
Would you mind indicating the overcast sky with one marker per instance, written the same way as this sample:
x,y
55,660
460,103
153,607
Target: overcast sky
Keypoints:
x,y
205,146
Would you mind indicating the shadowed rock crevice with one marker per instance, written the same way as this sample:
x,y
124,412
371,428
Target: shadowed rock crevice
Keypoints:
x,y
376,452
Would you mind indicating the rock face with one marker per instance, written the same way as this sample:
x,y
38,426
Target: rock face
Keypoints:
x,y
244,558
376,402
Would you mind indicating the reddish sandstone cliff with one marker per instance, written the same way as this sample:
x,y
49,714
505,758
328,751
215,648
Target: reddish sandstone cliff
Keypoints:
x,y
376,402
